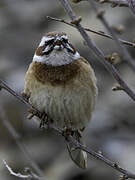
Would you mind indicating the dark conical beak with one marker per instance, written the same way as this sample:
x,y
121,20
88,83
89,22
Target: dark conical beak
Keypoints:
x,y
58,45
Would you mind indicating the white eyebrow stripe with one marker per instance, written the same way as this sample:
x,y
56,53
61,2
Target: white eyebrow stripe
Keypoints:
x,y
58,38
69,47
64,36
46,49
45,39
76,55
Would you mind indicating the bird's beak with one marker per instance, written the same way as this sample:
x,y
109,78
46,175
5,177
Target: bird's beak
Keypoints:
x,y
58,45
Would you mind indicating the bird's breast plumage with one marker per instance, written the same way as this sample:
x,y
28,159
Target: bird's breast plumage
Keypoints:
x,y
66,93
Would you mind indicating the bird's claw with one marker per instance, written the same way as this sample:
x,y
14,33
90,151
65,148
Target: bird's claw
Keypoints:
x,y
25,96
44,121
67,132
31,114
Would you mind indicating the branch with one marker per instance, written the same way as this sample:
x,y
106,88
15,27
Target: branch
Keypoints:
x,y
100,157
100,33
114,3
125,53
15,135
20,98
30,174
76,144
132,5
91,44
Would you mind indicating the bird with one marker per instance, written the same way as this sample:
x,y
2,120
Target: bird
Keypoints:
x,y
61,83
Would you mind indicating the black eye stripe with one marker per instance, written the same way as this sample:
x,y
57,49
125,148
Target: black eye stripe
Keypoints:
x,y
49,45
72,49
65,40
48,52
49,42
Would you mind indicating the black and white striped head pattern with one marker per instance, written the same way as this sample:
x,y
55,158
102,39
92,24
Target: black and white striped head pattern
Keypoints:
x,y
55,50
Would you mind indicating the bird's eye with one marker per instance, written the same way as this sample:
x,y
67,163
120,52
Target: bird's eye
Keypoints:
x,y
65,40
51,41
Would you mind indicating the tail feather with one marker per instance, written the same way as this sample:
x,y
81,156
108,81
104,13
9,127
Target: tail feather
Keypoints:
x,y
78,156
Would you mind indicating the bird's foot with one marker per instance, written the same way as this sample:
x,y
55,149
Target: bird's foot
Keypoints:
x,y
31,114
70,132
45,121
25,96
67,132
78,133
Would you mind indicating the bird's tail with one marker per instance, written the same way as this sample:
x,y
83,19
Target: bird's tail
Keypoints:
x,y
77,155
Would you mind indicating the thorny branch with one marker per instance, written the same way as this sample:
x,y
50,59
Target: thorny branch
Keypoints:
x,y
91,44
100,33
70,139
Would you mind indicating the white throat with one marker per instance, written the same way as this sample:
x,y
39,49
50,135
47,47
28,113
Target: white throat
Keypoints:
x,y
57,58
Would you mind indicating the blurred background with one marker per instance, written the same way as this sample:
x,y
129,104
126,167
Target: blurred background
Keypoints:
x,y
112,128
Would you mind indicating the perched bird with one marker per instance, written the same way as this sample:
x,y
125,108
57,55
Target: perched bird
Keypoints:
x,y
62,84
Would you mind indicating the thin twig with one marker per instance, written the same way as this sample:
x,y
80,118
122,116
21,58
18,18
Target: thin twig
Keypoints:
x,y
76,144
115,3
132,5
101,57
100,33
30,175
123,50
4,86
16,136
120,3
100,157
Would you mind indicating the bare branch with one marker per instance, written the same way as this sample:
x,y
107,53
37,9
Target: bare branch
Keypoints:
x,y
23,100
100,33
113,3
76,144
28,176
132,5
125,53
100,157
16,136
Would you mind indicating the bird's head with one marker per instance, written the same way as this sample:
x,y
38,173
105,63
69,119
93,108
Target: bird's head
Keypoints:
x,y
55,50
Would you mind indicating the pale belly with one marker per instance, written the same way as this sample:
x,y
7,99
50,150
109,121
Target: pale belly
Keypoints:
x,y
69,107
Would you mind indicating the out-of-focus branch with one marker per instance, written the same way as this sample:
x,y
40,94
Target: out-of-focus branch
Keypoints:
x,y
29,175
70,139
16,136
100,16
114,3
100,33
91,44
123,50
132,5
